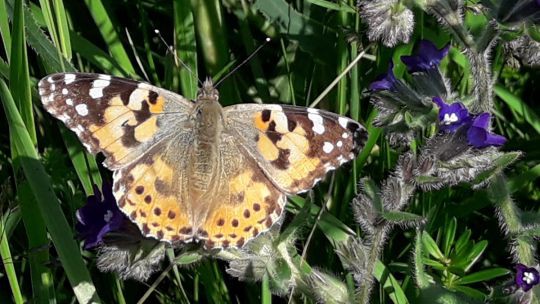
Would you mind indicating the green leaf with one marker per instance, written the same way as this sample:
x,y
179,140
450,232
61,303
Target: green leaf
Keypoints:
x,y
389,283
449,235
44,47
462,242
483,275
497,166
401,217
431,246
471,292
473,255
109,34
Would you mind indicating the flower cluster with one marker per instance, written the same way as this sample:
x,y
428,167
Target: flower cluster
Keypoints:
x,y
451,116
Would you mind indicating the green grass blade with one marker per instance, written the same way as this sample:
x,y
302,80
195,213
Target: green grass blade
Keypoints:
x,y
38,244
517,105
59,230
44,47
186,47
389,283
7,260
4,29
19,75
63,30
210,30
109,34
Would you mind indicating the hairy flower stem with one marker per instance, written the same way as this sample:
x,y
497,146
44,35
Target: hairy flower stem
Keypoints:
x,y
510,221
377,243
481,69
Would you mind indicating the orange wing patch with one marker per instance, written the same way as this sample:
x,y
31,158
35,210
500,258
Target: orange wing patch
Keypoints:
x,y
147,193
253,206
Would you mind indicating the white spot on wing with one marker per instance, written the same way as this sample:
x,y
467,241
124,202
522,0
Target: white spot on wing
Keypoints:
x,y
345,135
281,121
339,144
100,83
327,147
96,93
50,79
97,87
53,87
317,120
69,78
81,109
69,102
64,91
343,121
104,77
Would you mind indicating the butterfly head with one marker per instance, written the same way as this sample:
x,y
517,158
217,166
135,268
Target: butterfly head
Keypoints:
x,y
208,91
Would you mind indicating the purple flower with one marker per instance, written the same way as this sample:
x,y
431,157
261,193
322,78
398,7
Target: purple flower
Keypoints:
x,y
479,136
454,116
385,81
427,57
99,216
451,116
526,277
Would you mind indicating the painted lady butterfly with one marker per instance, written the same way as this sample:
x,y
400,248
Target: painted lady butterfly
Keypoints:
x,y
194,171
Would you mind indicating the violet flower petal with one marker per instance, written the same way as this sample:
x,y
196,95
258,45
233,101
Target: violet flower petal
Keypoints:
x,y
426,57
479,136
385,82
99,216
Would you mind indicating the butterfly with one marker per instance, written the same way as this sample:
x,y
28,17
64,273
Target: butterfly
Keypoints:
x,y
193,170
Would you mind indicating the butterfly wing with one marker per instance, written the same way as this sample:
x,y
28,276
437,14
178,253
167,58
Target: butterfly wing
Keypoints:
x,y
143,132
295,146
119,117
246,202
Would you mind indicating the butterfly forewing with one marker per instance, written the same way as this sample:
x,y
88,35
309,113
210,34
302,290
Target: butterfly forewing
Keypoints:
x,y
295,146
119,117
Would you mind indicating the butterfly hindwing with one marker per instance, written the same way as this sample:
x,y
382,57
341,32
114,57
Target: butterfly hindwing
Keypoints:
x,y
246,203
119,117
296,146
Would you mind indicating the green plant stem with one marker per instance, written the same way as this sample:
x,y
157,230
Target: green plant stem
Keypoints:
x,y
481,69
511,219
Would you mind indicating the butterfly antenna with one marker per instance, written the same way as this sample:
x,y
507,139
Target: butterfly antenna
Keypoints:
x,y
243,62
176,58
